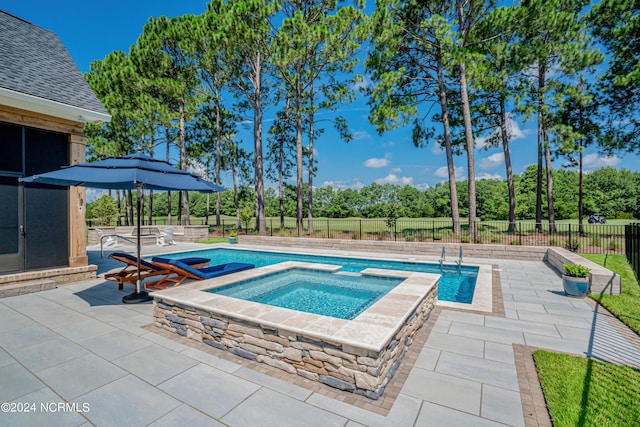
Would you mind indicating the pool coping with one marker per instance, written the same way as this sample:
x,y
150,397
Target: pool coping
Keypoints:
x,y
367,334
483,292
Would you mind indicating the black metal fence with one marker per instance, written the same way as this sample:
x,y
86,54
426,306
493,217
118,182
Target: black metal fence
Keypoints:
x,y
154,221
593,238
632,246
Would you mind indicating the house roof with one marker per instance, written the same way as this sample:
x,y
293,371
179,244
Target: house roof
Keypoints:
x,y
38,74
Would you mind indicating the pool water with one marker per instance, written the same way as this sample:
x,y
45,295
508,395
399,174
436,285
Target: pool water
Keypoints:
x,y
457,284
319,292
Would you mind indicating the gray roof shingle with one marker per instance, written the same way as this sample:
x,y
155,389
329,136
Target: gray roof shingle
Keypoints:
x,y
35,62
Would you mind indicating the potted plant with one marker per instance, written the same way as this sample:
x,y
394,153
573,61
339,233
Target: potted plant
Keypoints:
x,y
233,237
575,280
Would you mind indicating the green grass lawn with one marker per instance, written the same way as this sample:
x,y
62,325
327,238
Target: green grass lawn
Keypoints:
x,y
583,392
626,306
214,240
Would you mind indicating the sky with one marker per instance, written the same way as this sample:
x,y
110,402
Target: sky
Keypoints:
x,y
90,30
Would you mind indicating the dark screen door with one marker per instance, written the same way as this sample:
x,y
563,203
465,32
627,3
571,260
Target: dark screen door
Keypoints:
x,y
11,202
34,219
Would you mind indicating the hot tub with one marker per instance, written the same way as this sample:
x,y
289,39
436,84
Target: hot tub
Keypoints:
x,y
358,355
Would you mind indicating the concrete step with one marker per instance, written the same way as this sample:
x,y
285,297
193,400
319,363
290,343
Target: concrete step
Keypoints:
x,y
26,287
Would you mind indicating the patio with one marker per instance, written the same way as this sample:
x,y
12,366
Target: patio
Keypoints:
x,y
79,344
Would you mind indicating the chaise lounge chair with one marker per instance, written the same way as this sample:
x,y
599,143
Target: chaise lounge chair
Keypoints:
x,y
166,237
181,272
147,269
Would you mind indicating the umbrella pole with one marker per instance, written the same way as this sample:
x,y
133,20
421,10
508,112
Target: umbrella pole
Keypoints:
x,y
139,295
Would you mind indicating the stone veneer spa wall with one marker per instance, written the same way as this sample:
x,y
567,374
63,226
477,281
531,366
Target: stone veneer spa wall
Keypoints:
x,y
363,365
341,366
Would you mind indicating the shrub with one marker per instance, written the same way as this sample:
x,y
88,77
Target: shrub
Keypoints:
x,y
576,270
515,242
437,237
464,239
595,241
613,245
622,215
102,210
554,241
572,245
409,238
246,214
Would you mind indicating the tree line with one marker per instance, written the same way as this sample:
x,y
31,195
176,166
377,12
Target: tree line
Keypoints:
x,y
470,66
608,191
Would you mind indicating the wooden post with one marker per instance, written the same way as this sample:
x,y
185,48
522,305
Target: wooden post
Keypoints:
x,y
77,207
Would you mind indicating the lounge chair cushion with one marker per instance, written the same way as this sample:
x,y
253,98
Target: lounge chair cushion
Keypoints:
x,y
208,272
188,261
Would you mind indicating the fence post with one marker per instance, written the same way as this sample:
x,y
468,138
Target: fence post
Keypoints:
x,y
632,246
395,231
519,231
570,245
360,228
328,234
433,230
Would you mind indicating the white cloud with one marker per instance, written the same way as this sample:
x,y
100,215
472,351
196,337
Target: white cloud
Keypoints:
x,y
394,179
355,184
488,176
378,163
443,172
482,141
197,168
396,170
436,148
362,83
492,161
422,187
513,130
93,194
592,161
359,135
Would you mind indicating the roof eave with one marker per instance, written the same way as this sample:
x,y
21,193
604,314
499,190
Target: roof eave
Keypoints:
x,y
51,108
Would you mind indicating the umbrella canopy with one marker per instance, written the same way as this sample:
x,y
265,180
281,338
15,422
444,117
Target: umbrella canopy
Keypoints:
x,y
130,172
126,173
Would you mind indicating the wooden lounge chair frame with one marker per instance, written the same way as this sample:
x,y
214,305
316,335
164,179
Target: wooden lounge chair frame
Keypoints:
x,y
129,274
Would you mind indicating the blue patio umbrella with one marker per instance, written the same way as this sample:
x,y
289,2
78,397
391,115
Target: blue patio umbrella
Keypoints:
x,y
136,171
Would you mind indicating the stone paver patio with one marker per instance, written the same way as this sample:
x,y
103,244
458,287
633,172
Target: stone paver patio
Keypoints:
x,y
77,356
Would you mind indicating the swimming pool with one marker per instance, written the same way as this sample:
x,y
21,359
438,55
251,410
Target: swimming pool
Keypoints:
x,y
320,292
457,284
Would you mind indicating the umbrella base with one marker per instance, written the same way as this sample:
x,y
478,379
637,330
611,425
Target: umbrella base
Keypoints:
x,y
136,298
